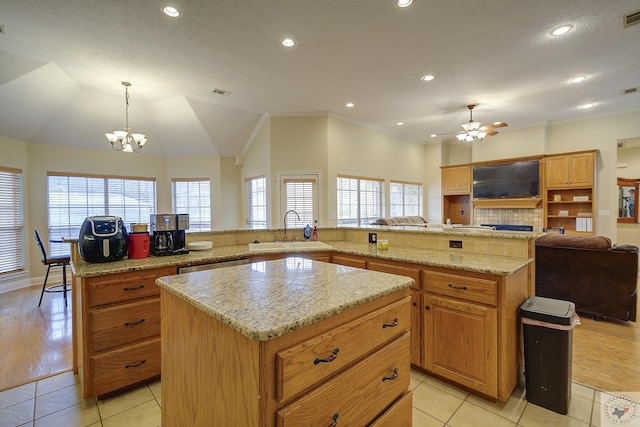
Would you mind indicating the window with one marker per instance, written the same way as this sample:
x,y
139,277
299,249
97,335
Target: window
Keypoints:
x,y
360,200
299,192
193,197
72,198
256,205
11,221
406,199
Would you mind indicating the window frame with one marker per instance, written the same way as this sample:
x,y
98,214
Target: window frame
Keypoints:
x,y
96,203
199,214
308,215
404,205
250,205
12,241
360,219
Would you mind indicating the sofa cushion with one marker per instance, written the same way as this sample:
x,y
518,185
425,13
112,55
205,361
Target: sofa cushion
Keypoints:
x,y
571,241
401,220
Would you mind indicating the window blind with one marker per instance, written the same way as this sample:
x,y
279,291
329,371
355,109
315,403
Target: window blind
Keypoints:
x,y
72,198
360,200
193,196
301,197
11,221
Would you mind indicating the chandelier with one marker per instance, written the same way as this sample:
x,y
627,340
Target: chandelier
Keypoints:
x,y
123,140
472,130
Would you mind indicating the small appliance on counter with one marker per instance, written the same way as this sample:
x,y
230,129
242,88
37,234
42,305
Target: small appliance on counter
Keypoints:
x,y
168,234
102,239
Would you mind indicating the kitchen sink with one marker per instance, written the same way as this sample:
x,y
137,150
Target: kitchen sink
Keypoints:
x,y
288,247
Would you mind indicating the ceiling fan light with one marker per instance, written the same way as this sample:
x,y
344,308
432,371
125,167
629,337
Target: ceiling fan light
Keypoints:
x,y
461,136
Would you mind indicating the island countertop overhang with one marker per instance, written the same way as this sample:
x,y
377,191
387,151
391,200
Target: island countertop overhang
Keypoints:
x,y
267,299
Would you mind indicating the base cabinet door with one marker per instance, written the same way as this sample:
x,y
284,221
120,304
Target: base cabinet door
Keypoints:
x,y
416,328
461,342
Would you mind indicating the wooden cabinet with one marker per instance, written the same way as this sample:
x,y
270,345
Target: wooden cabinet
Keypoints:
x,y
456,180
569,192
349,368
471,328
456,194
119,330
570,170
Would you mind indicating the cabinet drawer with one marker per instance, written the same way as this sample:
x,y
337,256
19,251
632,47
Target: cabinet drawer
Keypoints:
x,y
357,396
468,288
350,261
126,366
400,270
399,415
309,362
124,287
125,323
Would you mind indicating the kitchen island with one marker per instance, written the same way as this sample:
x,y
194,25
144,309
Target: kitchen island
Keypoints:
x,y
285,342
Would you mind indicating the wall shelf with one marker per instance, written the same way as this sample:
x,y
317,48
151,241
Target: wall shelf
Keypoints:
x,y
525,203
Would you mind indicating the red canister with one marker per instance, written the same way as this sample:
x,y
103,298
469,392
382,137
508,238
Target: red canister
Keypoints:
x,y
139,245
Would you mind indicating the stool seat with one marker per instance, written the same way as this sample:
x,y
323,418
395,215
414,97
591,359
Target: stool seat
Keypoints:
x,y
53,261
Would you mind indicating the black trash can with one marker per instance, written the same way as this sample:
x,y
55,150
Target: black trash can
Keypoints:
x,y
548,339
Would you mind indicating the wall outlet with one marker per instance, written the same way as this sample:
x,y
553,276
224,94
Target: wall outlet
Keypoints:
x,y
373,237
456,244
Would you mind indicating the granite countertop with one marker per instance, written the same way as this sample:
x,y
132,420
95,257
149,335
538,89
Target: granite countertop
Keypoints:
x,y
490,264
267,299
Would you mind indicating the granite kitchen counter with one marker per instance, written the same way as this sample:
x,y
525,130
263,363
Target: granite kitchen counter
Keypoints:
x,y
267,299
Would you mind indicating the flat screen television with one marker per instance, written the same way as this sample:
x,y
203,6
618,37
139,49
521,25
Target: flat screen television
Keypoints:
x,y
507,180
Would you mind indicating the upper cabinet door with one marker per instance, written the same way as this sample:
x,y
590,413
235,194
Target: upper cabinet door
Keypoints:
x,y
570,170
456,180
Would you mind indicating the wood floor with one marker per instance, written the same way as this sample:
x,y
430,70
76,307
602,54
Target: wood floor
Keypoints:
x,y
36,343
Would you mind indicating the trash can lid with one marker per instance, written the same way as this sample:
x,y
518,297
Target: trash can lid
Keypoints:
x,y
548,310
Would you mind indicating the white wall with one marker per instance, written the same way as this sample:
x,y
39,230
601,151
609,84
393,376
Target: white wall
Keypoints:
x,y
256,162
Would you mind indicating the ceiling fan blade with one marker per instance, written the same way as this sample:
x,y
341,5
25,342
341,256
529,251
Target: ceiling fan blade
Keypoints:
x,y
494,126
490,132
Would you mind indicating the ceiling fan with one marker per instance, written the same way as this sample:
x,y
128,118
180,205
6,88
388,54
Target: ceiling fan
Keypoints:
x,y
475,130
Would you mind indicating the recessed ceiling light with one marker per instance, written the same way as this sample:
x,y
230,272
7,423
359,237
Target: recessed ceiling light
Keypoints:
x,y
400,123
171,11
427,77
561,30
404,3
587,105
349,105
578,79
288,42
433,135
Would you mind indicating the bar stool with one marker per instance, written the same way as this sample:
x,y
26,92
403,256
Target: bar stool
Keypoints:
x,y
53,261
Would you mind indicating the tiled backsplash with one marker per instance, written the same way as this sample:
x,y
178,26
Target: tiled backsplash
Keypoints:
x,y
533,217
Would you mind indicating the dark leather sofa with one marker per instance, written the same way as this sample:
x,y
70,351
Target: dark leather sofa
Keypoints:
x,y
601,279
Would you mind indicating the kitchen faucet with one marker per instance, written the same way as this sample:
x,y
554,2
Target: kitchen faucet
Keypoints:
x,y
285,222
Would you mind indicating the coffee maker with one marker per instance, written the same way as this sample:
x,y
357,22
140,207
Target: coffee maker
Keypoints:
x,y
168,234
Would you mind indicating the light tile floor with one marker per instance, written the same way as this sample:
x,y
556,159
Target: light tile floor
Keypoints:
x,y
57,401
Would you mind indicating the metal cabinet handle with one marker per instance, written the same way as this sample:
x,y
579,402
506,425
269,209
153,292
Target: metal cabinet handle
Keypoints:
x,y
135,365
390,325
426,307
134,323
414,304
328,359
464,288
134,289
335,420
392,377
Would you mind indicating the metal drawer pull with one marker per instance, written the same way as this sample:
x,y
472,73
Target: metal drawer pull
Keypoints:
x,y
134,289
392,377
328,359
390,325
335,420
135,365
464,288
134,323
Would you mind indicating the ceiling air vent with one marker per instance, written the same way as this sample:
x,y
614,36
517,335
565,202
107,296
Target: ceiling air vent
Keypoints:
x,y
221,92
1,29
631,90
631,19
